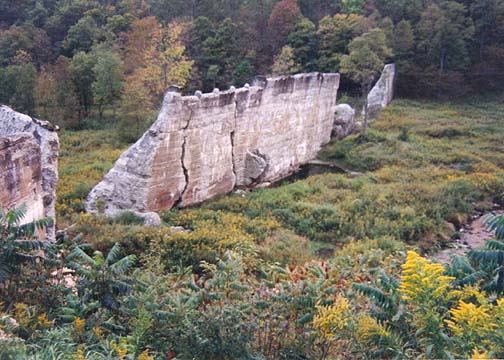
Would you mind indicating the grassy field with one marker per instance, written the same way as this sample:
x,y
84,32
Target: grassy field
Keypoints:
x,y
85,157
426,167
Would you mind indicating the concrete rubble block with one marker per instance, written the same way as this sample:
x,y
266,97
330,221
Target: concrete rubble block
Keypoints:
x,y
209,144
29,150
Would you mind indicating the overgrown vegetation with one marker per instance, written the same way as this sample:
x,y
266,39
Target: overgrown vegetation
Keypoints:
x,y
368,302
333,266
412,187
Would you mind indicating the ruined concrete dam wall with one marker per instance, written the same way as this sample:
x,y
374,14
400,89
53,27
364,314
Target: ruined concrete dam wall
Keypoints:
x,y
28,165
208,144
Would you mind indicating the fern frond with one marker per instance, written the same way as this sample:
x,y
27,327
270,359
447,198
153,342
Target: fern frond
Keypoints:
x,y
495,245
461,263
122,266
121,287
487,256
496,223
26,258
113,254
79,253
279,270
389,282
30,245
239,287
81,271
381,299
14,216
6,271
472,278
28,230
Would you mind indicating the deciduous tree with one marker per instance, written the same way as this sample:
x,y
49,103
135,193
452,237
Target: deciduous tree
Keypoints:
x,y
108,79
82,36
365,61
82,75
46,93
282,21
284,62
335,34
444,32
304,43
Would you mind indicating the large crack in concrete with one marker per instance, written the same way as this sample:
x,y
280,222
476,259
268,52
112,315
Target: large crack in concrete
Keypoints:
x,y
182,161
185,171
233,164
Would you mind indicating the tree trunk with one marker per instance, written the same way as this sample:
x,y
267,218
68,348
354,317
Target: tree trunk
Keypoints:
x,y
364,132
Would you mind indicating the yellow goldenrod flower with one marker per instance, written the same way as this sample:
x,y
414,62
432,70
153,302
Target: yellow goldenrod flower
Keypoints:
x,y
145,356
469,292
43,320
120,348
80,354
369,329
470,321
423,280
79,325
21,314
330,320
98,332
477,355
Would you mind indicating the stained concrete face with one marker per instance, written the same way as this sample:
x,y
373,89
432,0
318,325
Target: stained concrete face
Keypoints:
x,y
28,165
204,145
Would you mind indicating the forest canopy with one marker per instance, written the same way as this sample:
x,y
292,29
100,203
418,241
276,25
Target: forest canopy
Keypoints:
x,y
74,60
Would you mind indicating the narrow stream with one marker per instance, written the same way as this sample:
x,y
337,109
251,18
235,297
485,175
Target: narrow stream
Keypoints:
x,y
474,235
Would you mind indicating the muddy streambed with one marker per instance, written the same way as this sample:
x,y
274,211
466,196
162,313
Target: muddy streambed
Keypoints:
x,y
473,235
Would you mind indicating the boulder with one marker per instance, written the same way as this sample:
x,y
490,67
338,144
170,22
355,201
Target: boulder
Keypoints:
x,y
151,219
344,121
255,165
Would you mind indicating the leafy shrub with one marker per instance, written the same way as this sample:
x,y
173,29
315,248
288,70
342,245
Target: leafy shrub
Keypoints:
x,y
129,218
286,249
449,132
404,134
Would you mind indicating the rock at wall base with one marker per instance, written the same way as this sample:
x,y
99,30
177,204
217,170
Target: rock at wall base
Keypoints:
x,y
344,121
151,219
255,166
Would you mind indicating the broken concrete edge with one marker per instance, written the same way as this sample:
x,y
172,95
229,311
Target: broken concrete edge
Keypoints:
x,y
44,133
131,173
382,92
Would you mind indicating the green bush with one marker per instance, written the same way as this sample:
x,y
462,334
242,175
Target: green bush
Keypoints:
x,y
129,218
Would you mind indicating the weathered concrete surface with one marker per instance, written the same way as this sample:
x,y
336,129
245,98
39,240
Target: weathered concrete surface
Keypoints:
x,y
382,92
28,165
344,121
208,144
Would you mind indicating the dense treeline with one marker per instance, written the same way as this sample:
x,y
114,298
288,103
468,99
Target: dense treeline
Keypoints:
x,y
66,60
